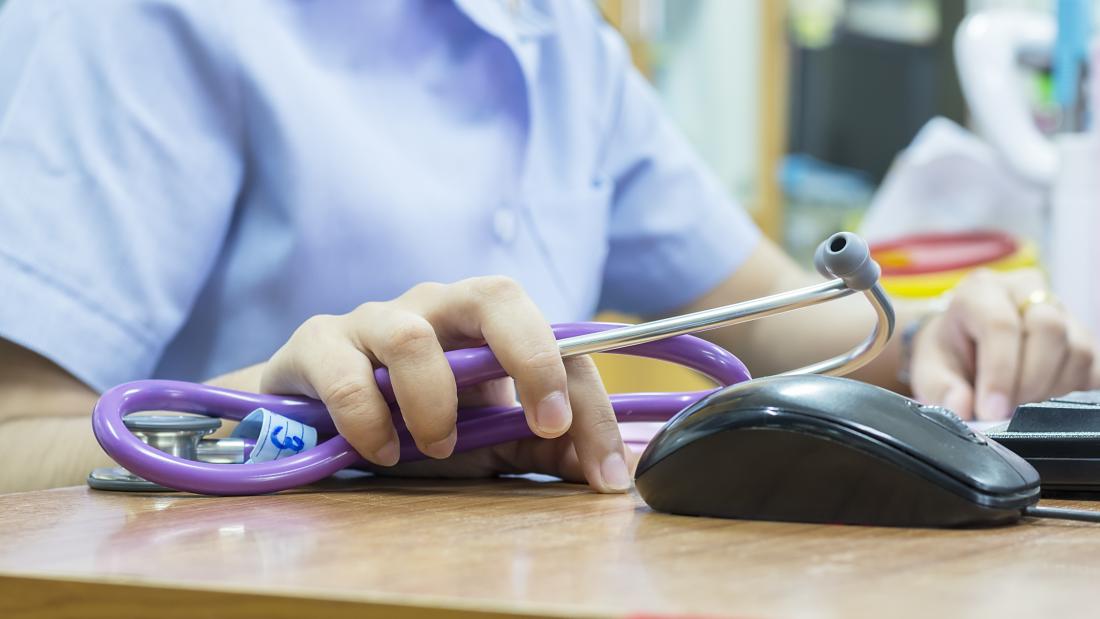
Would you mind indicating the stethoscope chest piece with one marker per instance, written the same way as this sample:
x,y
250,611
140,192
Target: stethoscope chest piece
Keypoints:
x,y
119,479
182,436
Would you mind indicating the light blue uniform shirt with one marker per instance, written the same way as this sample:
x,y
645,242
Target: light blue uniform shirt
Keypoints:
x,y
183,183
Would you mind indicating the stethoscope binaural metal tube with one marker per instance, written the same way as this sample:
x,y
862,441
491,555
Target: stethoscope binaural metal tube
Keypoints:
x,y
837,251
844,257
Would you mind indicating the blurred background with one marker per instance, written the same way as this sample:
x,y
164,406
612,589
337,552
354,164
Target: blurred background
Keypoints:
x,y
802,106
954,134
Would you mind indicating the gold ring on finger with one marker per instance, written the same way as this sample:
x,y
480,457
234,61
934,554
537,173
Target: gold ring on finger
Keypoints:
x,y
1039,296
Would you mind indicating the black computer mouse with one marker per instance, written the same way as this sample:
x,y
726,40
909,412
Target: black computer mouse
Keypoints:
x,y
831,450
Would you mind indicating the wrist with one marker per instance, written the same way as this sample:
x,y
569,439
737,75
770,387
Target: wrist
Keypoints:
x,y
244,379
908,340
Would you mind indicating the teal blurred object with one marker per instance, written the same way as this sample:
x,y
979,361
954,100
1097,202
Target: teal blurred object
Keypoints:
x,y
1071,50
821,198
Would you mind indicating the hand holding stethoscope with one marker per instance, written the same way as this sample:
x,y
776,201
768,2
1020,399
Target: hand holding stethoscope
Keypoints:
x,y
333,361
332,358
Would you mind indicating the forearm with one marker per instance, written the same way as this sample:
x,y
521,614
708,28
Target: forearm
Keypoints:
x,y
244,379
49,452
45,413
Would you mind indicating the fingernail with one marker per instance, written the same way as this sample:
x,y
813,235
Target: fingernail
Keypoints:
x,y
996,406
388,454
614,472
442,448
552,414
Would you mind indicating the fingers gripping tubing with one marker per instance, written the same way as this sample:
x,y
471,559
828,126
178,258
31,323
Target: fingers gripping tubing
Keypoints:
x,y
847,257
476,427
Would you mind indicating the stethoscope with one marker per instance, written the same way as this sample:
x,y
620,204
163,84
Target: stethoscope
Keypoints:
x,y
158,452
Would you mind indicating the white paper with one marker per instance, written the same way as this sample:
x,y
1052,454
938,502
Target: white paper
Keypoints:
x,y
276,436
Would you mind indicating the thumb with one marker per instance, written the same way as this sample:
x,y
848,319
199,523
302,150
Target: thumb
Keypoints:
x,y
939,378
949,390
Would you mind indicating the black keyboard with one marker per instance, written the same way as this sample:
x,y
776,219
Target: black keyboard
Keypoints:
x,y
1060,437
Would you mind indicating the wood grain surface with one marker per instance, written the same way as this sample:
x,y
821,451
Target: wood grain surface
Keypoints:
x,y
510,547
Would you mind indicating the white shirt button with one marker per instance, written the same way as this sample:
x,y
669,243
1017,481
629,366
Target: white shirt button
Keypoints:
x,y
505,224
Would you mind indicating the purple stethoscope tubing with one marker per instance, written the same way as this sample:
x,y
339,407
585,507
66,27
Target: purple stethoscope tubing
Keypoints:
x,y
476,427
843,256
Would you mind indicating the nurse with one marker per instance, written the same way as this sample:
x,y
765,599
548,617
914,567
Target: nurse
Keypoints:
x,y
280,196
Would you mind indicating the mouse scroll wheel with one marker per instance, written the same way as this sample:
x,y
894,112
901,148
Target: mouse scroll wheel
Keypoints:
x,y
948,419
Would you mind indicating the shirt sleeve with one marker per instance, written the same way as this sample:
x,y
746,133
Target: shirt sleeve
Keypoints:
x,y
119,169
675,233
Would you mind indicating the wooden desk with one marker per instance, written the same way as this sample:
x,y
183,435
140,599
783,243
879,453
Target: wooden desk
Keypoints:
x,y
386,548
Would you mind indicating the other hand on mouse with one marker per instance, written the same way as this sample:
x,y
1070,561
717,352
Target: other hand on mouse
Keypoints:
x,y
1001,341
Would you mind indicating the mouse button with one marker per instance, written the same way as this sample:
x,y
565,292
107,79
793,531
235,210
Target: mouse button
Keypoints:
x,y
933,444
947,418
848,401
1029,477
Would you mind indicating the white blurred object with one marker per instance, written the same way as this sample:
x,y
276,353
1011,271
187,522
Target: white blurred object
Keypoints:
x,y
1075,215
988,46
948,180
914,22
1073,256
